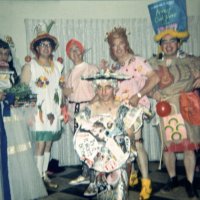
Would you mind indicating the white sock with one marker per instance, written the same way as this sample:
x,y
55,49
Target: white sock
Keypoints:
x,y
39,163
46,161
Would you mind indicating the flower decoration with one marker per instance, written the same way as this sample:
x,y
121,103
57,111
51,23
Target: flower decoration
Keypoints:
x,y
62,82
139,68
42,82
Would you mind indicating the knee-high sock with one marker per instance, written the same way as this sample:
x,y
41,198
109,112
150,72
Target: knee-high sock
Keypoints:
x,y
46,161
39,162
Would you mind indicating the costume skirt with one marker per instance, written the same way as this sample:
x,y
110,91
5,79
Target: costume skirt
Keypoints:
x,y
25,181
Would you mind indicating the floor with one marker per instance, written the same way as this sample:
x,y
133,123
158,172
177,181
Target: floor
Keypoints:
x,y
158,177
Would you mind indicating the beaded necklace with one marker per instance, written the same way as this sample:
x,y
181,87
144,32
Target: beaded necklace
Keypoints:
x,y
48,67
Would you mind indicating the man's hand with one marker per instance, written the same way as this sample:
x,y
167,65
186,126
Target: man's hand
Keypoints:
x,y
67,91
157,96
133,101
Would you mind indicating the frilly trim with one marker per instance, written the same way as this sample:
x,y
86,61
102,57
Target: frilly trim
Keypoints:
x,y
181,35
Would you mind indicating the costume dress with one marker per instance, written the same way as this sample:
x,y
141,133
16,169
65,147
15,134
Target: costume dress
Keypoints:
x,y
25,181
24,178
182,69
137,67
44,82
83,92
102,142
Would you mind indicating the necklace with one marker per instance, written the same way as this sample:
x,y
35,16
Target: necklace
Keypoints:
x,y
48,69
47,66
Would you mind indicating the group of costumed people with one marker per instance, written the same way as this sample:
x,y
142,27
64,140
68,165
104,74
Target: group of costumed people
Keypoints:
x,y
106,109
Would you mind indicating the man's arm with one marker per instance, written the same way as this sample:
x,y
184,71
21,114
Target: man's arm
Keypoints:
x,y
152,80
196,72
26,74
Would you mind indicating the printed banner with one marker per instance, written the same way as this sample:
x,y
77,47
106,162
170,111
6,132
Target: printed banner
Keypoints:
x,y
168,14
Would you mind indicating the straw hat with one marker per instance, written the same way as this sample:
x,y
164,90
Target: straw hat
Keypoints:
x,y
42,32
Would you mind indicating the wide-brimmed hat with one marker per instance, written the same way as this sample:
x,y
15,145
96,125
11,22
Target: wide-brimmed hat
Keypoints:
x,y
42,32
169,17
106,76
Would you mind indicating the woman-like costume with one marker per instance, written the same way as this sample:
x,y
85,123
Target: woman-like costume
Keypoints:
x,y
24,180
102,142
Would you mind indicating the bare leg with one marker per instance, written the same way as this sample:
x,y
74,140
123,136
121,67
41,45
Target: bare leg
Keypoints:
x,y
48,146
40,147
170,163
142,158
189,162
142,161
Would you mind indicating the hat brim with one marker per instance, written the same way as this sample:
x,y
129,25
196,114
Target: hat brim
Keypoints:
x,y
105,76
41,37
180,35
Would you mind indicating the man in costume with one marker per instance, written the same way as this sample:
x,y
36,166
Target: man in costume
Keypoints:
x,y
43,75
178,73
102,139
78,92
134,91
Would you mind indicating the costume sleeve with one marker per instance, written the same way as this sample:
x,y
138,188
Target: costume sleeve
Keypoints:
x,y
26,74
67,78
59,65
194,63
92,70
152,62
143,66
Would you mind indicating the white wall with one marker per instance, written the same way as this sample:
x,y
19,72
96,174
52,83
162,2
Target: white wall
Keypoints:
x,y
13,13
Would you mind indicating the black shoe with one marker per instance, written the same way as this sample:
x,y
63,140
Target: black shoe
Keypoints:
x,y
171,184
53,166
191,192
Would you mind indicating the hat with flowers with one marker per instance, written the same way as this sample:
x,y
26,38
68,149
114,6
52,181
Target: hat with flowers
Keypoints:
x,y
106,76
42,33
